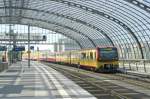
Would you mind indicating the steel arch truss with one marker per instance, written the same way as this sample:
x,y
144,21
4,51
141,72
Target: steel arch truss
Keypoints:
x,y
139,4
124,24
94,11
67,17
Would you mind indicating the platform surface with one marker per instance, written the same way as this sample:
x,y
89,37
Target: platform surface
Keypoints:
x,y
38,82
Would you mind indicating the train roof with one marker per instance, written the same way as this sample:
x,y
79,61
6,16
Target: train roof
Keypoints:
x,y
87,49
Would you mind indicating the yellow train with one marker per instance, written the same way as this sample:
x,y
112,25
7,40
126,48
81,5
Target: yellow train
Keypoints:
x,y
104,59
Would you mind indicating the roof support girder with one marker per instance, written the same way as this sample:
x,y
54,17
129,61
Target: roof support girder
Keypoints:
x,y
58,24
69,37
53,29
67,17
139,4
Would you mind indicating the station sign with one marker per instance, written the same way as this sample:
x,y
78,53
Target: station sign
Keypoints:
x,y
19,48
3,48
31,47
44,38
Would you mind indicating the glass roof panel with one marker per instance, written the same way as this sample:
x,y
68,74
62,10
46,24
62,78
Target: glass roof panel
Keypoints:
x,y
92,21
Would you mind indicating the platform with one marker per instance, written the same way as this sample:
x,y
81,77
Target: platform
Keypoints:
x,y
38,82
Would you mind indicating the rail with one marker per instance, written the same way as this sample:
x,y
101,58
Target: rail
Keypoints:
x,y
73,74
118,95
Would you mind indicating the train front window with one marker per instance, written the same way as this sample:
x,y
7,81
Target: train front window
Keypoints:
x,y
108,54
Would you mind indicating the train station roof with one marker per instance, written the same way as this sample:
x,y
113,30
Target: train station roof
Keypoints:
x,y
91,23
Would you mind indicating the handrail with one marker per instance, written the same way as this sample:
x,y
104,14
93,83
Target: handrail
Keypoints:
x,y
135,60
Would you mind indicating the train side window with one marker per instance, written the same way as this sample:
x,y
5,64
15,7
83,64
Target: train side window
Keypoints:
x,y
91,55
95,54
83,55
87,55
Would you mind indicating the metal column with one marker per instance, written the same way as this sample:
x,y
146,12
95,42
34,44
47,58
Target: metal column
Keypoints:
x,y
9,47
28,46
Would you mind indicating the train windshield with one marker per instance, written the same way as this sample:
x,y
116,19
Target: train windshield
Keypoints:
x,y
108,54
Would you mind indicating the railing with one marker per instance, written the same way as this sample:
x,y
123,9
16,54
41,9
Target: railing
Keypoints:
x,y
135,64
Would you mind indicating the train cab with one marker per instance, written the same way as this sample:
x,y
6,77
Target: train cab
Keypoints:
x,y
107,58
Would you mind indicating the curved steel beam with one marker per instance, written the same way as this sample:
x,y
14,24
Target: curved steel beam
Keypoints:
x,y
109,39
56,32
93,11
57,24
69,37
139,4
67,17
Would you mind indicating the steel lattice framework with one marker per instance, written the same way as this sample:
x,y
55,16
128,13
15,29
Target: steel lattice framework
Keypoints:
x,y
91,23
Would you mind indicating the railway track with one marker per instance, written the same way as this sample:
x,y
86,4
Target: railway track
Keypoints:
x,y
138,81
101,89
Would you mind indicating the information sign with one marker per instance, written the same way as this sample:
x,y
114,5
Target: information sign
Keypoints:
x,y
3,48
19,48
